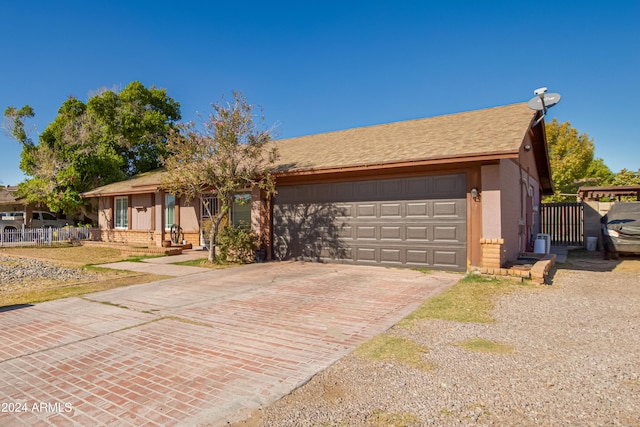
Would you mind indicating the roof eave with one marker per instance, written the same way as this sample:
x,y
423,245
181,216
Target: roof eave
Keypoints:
x,y
146,189
471,158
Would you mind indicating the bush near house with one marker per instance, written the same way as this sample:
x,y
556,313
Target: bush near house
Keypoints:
x,y
236,244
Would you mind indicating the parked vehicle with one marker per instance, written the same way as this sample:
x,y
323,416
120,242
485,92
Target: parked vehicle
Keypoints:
x,y
621,228
41,219
11,224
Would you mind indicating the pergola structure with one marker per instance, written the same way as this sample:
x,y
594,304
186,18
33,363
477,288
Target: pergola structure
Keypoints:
x,y
613,192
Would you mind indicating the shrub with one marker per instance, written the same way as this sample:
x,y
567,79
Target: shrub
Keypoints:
x,y
237,244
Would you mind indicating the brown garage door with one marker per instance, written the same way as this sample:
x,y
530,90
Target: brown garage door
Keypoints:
x,y
413,222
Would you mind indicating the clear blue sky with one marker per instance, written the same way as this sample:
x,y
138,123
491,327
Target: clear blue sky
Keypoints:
x,y
325,65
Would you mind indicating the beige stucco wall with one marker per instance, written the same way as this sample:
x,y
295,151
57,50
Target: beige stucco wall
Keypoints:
x,y
593,213
510,204
513,200
105,212
491,202
141,212
189,215
158,221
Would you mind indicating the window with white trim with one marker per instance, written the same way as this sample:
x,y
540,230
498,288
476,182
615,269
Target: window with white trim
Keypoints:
x,y
169,210
121,214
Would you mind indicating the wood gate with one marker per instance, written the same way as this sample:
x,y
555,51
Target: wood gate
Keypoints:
x,y
564,222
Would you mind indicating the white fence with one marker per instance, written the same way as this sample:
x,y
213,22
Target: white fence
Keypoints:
x,y
12,237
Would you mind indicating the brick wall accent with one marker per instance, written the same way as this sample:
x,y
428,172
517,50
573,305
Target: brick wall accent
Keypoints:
x,y
129,237
144,237
492,253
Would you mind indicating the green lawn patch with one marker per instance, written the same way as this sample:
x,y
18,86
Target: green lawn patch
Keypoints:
x,y
53,291
386,347
486,346
141,258
472,299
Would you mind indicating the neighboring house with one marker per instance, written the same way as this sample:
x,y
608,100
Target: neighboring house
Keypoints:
x,y
446,192
8,200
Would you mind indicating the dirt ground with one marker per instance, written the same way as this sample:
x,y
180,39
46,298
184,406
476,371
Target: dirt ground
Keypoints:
x,y
581,259
66,272
333,396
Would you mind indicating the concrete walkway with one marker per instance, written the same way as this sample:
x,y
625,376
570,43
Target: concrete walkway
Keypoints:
x,y
164,265
200,349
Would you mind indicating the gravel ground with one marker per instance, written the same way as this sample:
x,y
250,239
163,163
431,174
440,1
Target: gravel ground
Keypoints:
x,y
576,362
20,272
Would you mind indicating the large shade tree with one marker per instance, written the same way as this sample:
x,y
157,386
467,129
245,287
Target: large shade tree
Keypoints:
x,y
229,154
113,136
627,177
571,156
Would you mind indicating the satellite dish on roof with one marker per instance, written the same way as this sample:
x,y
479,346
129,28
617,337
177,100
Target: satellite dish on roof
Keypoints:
x,y
543,101
547,100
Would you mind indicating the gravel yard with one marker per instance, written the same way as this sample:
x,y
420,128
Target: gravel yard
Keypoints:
x,y
575,361
19,272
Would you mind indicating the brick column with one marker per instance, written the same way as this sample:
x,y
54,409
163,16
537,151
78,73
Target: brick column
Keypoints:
x,y
491,252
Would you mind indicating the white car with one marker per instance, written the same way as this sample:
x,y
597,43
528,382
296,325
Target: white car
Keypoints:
x,y
40,219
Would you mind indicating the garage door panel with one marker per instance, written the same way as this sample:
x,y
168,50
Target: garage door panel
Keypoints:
x,y
448,259
417,187
415,232
366,190
346,232
365,232
417,209
391,255
441,234
446,209
343,210
390,210
404,221
366,254
391,232
418,256
366,210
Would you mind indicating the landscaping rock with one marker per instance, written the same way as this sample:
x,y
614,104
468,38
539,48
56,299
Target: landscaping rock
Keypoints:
x,y
20,270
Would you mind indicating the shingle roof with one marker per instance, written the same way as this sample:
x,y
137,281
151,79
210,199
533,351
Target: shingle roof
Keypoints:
x,y
147,182
7,195
480,132
492,131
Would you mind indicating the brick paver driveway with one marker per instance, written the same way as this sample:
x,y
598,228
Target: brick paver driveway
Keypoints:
x,y
203,349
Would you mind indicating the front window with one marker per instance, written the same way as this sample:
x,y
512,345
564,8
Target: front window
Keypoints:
x,y
122,212
209,207
241,210
169,210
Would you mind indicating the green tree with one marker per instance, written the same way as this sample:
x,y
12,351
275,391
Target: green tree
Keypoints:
x,y
627,177
113,136
15,121
572,162
231,153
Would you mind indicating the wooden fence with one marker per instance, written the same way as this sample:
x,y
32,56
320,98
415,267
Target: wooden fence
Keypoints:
x,y
564,222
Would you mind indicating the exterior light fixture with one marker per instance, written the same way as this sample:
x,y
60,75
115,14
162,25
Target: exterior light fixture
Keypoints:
x,y
475,193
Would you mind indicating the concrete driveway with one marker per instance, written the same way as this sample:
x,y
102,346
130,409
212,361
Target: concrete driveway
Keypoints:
x,y
201,349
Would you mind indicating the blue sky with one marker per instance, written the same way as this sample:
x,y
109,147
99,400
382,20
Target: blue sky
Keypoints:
x,y
317,66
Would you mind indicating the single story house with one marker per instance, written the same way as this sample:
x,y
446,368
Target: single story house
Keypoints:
x,y
8,200
11,204
449,192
